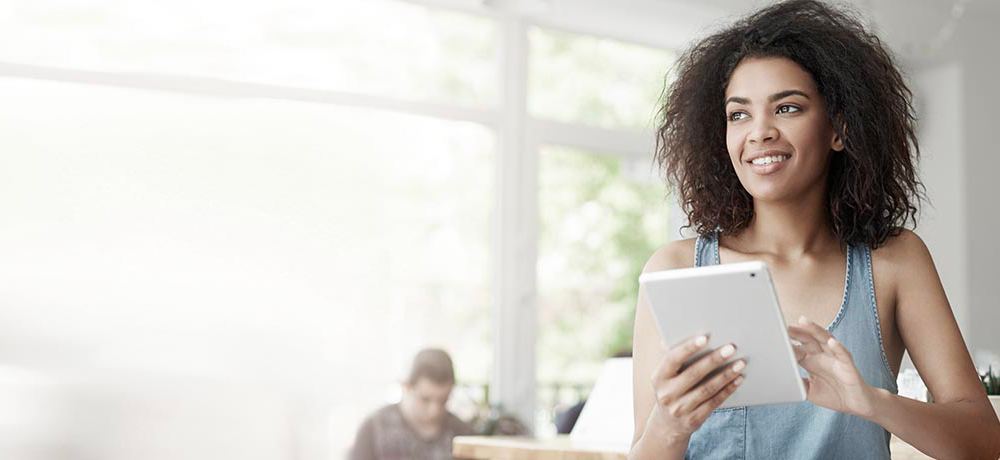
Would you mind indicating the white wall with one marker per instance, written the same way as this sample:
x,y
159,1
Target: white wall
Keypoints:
x,y
938,97
957,105
981,124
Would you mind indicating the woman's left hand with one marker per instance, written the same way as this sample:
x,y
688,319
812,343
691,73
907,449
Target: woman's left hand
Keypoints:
x,y
834,381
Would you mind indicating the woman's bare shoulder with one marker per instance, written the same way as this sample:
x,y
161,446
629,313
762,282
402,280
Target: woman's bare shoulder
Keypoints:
x,y
902,251
903,259
675,254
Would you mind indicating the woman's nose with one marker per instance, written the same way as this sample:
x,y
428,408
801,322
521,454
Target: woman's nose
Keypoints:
x,y
763,130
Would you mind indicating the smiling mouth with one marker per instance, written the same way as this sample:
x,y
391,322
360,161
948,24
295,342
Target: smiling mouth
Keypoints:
x,y
769,159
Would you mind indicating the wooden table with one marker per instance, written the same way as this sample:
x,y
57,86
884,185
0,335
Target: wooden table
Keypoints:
x,y
564,448
510,448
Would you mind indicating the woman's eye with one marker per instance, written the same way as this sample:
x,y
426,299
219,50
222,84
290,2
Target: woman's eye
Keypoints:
x,y
736,116
791,109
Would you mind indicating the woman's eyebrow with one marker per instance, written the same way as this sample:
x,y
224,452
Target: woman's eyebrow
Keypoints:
x,y
790,92
738,100
774,97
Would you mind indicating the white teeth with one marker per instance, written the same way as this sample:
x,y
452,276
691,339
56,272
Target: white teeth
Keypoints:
x,y
770,159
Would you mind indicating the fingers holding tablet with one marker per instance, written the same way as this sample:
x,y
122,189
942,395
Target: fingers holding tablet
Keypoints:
x,y
839,350
697,371
815,339
715,390
800,353
675,357
809,341
687,395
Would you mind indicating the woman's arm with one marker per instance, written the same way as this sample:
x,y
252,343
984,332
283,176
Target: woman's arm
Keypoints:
x,y
672,401
960,423
943,430
646,354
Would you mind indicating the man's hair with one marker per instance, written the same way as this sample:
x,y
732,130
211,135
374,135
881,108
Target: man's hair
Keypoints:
x,y
872,187
433,364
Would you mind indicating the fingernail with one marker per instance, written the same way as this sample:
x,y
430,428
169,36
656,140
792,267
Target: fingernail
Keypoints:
x,y
701,340
803,320
739,366
727,351
738,380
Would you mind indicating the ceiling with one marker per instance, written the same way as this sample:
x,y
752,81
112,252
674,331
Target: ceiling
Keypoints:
x,y
917,30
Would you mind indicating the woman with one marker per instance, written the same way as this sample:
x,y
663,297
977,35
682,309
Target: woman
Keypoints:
x,y
789,138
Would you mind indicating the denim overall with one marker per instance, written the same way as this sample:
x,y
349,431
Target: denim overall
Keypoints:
x,y
804,430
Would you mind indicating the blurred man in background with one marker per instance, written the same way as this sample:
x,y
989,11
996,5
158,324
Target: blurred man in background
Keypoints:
x,y
419,426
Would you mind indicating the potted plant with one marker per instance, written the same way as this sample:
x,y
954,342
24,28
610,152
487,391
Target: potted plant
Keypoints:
x,y
991,382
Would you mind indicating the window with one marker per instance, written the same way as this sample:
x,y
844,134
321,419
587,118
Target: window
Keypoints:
x,y
596,81
161,229
601,218
376,47
287,244
602,212
288,200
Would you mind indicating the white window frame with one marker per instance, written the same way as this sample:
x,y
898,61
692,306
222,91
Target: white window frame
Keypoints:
x,y
515,252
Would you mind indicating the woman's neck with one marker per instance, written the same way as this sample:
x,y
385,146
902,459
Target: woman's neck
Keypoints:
x,y
789,229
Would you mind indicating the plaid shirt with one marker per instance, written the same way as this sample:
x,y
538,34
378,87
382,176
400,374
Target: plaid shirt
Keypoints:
x,y
385,435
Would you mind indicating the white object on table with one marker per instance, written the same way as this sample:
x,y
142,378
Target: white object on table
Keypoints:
x,y
606,419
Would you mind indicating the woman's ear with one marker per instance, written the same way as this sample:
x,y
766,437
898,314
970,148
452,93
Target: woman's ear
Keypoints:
x,y
837,143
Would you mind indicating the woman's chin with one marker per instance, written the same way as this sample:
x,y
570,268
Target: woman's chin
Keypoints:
x,y
770,193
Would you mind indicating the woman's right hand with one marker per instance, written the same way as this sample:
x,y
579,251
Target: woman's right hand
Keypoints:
x,y
682,403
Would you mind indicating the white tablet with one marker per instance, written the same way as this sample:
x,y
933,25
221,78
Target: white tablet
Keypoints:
x,y
731,303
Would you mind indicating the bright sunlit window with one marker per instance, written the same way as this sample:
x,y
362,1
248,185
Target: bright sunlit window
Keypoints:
x,y
386,48
287,244
601,213
601,217
212,203
596,81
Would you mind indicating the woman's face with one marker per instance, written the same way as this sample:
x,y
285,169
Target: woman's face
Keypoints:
x,y
777,132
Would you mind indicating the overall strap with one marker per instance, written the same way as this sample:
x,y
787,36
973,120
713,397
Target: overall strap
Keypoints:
x,y
706,250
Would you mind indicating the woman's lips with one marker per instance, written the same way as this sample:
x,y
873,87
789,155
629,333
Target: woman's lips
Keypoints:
x,y
769,168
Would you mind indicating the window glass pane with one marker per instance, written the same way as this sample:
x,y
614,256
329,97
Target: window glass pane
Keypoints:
x,y
592,80
381,47
600,222
174,249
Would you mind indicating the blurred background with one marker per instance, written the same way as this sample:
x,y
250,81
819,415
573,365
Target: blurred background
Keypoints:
x,y
227,226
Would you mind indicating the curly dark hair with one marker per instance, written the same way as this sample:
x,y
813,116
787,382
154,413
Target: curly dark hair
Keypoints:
x,y
872,187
